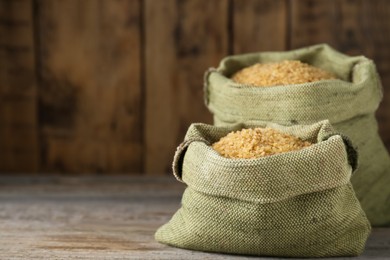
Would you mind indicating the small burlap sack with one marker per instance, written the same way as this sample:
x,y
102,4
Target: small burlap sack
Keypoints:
x,y
349,104
295,204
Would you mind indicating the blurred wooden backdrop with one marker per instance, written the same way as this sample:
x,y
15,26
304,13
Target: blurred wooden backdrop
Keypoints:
x,y
108,86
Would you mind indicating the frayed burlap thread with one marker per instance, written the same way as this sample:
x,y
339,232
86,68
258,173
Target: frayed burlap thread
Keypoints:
x,y
349,103
295,204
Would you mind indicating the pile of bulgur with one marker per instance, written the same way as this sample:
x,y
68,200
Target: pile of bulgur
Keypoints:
x,y
280,73
257,142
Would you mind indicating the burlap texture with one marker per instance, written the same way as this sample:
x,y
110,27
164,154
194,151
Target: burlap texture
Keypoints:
x,y
349,104
295,204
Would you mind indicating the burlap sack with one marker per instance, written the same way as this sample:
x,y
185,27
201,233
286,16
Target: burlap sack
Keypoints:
x,y
349,104
295,204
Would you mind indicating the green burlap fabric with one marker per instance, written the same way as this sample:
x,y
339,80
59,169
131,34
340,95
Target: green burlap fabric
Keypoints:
x,y
348,103
295,204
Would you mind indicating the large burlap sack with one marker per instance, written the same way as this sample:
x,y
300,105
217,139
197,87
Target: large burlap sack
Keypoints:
x,y
295,204
349,104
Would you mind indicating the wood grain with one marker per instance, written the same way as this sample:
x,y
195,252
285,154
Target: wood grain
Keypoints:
x,y
19,150
366,31
112,86
363,30
259,25
312,22
103,218
90,92
182,39
353,27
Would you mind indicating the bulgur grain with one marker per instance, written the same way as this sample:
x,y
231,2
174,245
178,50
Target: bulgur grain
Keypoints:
x,y
280,73
257,142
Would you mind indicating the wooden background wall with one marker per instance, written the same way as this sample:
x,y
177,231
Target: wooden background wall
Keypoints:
x,y
110,86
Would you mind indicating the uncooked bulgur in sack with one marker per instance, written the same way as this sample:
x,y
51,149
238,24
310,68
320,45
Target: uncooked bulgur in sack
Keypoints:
x,y
349,102
293,204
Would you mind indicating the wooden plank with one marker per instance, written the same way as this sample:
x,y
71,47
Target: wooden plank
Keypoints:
x,y
366,31
90,98
312,22
259,25
353,27
18,122
103,218
182,39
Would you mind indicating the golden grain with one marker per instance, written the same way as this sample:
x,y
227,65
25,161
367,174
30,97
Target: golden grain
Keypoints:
x,y
280,73
257,142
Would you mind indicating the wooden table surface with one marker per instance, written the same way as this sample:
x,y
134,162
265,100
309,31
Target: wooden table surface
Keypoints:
x,y
102,218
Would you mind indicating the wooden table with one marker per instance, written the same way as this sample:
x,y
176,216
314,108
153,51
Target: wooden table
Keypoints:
x,y
102,218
